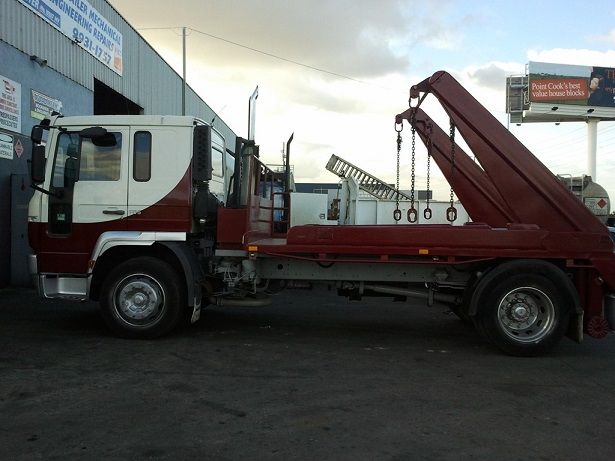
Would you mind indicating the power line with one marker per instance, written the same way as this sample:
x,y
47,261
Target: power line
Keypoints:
x,y
275,56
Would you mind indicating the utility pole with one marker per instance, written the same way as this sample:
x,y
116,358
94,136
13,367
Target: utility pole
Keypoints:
x,y
184,74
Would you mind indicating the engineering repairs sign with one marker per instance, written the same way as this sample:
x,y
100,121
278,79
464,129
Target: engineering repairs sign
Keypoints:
x,y
80,22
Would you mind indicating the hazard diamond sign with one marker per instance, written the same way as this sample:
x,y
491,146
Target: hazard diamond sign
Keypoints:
x,y
598,205
18,148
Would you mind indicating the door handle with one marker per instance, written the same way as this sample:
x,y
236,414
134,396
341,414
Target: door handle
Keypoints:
x,y
119,212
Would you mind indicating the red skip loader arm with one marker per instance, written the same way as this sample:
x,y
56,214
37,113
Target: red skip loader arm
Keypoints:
x,y
528,191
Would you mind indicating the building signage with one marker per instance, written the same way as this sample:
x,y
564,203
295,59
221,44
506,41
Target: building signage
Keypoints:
x,y
18,148
84,25
10,104
41,105
6,146
569,84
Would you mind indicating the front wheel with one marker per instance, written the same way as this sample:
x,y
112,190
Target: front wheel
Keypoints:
x,y
143,297
524,309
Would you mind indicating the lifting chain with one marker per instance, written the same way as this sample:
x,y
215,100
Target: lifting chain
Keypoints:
x,y
412,213
451,212
397,212
427,211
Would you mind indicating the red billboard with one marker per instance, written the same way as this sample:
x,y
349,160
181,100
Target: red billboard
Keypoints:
x,y
564,89
569,84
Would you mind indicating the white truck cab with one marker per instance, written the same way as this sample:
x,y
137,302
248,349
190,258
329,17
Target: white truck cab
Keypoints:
x,y
106,183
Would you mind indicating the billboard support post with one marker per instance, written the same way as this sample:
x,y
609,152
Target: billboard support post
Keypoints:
x,y
592,135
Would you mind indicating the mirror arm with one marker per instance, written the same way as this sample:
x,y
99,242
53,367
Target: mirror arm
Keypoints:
x,y
45,191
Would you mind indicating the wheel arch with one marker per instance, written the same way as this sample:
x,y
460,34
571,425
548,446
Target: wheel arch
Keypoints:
x,y
176,254
544,275
547,268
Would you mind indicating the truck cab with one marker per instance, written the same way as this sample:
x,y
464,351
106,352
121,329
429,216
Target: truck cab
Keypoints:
x,y
117,177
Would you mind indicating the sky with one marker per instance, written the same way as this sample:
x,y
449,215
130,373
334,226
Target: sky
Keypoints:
x,y
342,69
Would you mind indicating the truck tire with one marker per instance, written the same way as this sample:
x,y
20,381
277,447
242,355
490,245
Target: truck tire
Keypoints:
x,y
143,298
523,307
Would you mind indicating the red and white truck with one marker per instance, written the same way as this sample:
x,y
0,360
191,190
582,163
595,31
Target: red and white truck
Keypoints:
x,y
154,217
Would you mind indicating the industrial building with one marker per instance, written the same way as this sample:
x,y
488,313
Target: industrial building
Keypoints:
x,y
75,57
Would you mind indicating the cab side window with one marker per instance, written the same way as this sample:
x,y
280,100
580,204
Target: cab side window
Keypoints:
x,y
142,160
66,154
100,158
216,162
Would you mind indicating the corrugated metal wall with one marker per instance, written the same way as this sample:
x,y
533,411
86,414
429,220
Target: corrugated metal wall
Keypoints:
x,y
147,79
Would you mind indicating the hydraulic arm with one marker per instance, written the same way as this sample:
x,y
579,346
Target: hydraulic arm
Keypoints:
x,y
513,186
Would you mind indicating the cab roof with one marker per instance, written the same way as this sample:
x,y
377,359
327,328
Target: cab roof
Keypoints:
x,y
127,120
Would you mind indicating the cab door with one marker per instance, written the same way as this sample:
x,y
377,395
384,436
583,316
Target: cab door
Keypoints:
x,y
88,196
101,191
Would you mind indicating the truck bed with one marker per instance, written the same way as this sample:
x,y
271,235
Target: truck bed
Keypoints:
x,y
429,241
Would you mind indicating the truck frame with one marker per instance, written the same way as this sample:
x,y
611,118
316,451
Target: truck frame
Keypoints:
x,y
155,217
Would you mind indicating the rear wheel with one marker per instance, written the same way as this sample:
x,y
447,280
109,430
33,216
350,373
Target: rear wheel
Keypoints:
x,y
523,308
143,297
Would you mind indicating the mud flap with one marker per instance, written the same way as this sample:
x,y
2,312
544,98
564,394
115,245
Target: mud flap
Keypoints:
x,y
196,310
575,328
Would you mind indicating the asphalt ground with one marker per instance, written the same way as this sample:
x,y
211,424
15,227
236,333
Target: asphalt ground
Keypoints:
x,y
311,377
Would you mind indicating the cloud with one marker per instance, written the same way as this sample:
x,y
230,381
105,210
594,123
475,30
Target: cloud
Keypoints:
x,y
493,75
583,57
608,37
363,40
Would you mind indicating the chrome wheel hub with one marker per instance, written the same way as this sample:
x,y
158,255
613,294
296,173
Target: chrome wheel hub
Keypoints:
x,y
139,299
526,314
520,312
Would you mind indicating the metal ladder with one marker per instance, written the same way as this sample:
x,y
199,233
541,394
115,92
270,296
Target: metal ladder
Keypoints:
x,y
367,182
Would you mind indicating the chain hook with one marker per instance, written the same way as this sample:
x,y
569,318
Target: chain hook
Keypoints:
x,y
412,213
427,211
397,212
451,212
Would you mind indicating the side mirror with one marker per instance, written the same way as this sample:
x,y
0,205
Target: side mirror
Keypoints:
x,y
36,135
37,166
93,132
201,153
99,136
71,172
106,140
